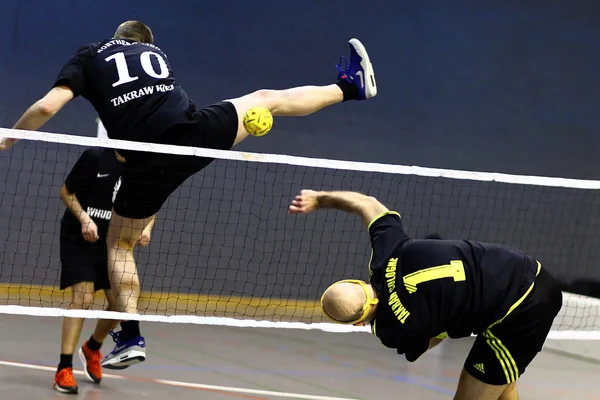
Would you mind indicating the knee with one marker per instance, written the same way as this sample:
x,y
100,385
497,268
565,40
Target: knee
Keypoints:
x,y
129,282
123,280
266,98
82,299
265,94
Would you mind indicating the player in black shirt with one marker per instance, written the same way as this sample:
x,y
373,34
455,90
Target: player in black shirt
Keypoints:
x,y
131,84
424,290
88,194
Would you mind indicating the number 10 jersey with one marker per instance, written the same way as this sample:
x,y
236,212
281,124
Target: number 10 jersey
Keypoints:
x,y
132,87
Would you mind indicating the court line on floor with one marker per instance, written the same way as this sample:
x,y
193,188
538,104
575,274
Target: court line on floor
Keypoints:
x,y
189,385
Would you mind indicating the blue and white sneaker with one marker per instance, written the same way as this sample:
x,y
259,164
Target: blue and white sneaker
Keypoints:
x,y
125,354
359,71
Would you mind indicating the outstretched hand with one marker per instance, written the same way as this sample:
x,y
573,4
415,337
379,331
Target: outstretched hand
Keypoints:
x,y
304,202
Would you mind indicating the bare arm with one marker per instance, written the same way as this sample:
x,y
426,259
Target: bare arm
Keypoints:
x,y
72,203
40,112
366,207
89,230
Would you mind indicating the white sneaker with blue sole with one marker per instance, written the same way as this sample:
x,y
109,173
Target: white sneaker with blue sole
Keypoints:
x,y
125,354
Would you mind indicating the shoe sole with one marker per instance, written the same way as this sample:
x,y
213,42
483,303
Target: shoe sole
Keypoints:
x,y
130,358
66,391
370,83
85,370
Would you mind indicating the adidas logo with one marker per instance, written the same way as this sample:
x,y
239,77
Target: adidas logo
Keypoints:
x,y
479,367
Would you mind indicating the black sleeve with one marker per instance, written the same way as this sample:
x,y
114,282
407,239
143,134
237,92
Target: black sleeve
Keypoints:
x,y
81,173
386,233
417,347
409,344
72,74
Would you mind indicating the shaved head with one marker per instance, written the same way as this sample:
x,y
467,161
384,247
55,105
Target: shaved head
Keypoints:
x,y
344,301
134,30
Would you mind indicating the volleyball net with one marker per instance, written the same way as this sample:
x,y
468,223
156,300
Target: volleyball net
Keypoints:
x,y
225,251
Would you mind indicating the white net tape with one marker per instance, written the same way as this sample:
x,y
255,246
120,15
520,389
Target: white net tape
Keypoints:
x,y
586,305
302,161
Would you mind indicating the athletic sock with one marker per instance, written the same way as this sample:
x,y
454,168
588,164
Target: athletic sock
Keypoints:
x,y
93,345
129,330
66,361
349,90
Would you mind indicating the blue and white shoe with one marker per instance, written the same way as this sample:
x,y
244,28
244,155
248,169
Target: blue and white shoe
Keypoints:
x,y
359,71
125,354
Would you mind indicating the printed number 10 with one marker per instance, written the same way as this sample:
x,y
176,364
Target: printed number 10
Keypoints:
x,y
123,70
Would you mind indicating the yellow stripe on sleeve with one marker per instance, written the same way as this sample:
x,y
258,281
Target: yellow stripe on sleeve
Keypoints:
x,y
381,216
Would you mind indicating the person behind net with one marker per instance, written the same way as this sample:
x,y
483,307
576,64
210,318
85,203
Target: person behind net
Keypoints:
x,y
88,193
130,83
424,290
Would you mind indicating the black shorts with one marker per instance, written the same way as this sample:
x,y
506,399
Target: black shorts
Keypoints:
x,y
501,354
82,261
148,179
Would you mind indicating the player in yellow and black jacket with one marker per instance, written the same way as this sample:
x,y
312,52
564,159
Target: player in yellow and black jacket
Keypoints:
x,y
424,290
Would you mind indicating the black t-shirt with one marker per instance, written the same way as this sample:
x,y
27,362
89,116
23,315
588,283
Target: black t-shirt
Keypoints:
x,y
95,180
132,87
439,288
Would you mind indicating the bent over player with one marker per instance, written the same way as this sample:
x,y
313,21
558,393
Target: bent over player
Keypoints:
x,y
88,194
422,291
130,83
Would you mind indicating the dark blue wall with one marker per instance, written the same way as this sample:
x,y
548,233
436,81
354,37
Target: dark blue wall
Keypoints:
x,y
509,87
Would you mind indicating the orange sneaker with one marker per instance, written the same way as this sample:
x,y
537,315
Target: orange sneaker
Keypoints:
x,y
91,363
64,381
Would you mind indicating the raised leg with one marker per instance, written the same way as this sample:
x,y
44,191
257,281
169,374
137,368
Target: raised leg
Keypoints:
x,y
356,81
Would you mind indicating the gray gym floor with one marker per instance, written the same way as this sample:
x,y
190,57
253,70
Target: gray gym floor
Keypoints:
x,y
213,363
